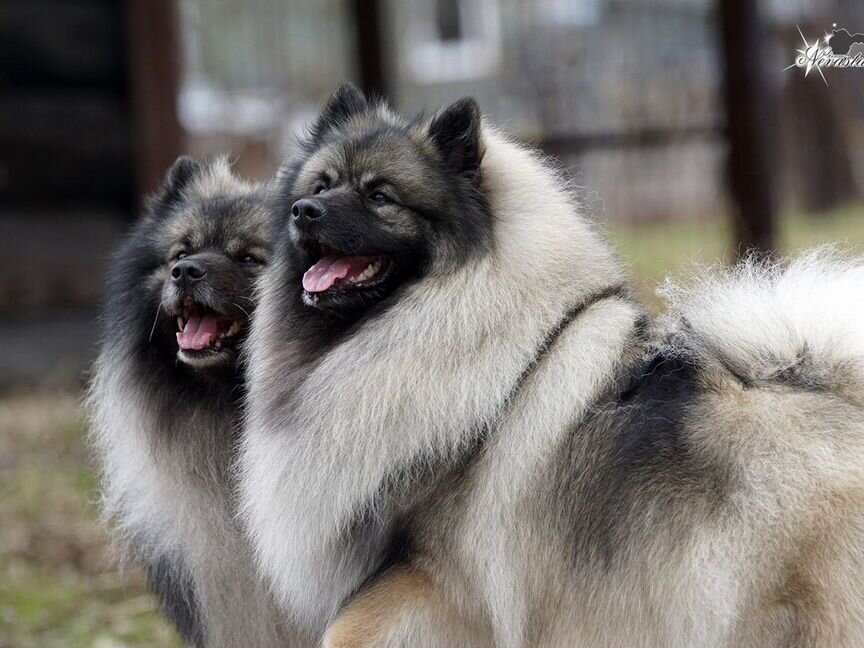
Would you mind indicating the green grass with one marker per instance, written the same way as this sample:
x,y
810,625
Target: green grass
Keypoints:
x,y
59,585
845,226
657,250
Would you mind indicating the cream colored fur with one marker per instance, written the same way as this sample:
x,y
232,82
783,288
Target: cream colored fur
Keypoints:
x,y
772,558
165,488
162,505
416,385
778,566
763,318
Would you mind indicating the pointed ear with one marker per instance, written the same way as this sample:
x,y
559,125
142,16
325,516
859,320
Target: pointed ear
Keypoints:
x,y
175,180
347,100
455,131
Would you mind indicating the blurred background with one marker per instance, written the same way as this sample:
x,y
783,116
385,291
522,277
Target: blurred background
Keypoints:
x,y
689,139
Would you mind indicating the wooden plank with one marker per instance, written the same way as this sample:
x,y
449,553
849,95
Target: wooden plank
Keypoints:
x,y
641,138
154,57
366,15
749,125
57,43
65,147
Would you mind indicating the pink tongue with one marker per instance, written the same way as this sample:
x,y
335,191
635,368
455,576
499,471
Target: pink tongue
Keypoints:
x,y
328,270
199,333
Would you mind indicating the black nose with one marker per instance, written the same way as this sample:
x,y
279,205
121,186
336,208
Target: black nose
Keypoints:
x,y
188,271
307,209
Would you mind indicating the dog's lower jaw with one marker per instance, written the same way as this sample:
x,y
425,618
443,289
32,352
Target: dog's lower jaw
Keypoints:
x,y
213,360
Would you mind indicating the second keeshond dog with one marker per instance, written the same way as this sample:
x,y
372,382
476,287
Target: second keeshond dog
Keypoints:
x,y
463,429
165,400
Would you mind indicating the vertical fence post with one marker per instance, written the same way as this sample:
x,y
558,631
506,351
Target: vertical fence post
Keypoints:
x,y
749,125
369,35
154,58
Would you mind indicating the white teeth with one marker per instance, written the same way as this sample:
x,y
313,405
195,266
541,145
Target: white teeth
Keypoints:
x,y
370,271
180,323
233,330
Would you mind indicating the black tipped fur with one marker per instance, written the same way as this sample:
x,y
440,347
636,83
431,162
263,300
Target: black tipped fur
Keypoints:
x,y
173,586
456,133
436,217
135,317
346,101
192,410
175,180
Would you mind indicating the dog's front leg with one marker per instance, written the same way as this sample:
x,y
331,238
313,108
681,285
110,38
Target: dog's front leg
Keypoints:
x,y
402,608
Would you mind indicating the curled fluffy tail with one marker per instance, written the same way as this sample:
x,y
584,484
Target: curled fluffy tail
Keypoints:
x,y
799,322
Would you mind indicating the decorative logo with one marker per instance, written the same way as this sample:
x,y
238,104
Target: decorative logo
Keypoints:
x,y
839,49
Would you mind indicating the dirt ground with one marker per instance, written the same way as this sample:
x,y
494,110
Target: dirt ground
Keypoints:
x,y
60,582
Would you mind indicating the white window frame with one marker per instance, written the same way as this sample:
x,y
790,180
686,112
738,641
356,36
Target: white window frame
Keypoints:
x,y
476,55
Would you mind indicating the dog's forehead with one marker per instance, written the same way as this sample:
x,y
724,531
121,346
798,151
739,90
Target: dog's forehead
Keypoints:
x,y
218,221
372,154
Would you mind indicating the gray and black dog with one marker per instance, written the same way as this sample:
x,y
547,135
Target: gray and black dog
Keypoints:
x,y
463,429
166,395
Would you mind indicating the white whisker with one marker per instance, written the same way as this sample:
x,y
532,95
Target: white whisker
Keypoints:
x,y
242,309
155,320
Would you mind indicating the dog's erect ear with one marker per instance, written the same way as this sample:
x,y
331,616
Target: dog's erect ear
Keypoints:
x,y
347,100
456,133
177,178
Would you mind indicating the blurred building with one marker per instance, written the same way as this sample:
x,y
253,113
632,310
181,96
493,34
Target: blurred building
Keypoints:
x,y
98,96
597,83
87,122
627,93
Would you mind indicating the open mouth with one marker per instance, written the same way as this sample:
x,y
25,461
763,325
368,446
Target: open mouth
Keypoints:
x,y
336,271
203,332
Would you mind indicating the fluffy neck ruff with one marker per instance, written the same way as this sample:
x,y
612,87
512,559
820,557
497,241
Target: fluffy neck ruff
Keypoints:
x,y
414,385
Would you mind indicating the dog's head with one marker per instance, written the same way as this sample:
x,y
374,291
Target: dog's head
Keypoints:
x,y
204,240
377,201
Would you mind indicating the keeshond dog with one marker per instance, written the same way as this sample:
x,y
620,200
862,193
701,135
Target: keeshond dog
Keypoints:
x,y
165,399
463,429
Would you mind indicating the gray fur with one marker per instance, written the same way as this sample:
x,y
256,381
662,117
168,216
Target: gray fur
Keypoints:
x,y
164,427
452,466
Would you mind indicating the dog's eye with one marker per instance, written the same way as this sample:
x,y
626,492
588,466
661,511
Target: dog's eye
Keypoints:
x,y
250,259
182,254
323,184
380,198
